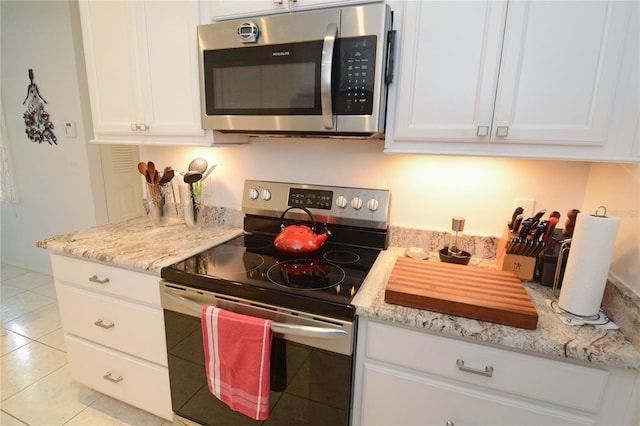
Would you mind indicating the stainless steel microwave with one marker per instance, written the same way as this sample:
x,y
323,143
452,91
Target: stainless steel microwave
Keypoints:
x,y
317,73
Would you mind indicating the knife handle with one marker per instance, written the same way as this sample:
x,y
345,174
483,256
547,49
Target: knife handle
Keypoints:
x,y
518,211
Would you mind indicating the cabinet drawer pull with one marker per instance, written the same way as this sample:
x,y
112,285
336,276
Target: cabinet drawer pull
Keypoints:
x,y
111,379
95,279
488,370
101,324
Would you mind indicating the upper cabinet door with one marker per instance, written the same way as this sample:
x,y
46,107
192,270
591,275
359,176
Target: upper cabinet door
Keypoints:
x,y
450,58
534,79
172,83
143,73
560,67
112,58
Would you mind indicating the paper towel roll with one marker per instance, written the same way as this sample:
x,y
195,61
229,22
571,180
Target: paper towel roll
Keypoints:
x,y
588,264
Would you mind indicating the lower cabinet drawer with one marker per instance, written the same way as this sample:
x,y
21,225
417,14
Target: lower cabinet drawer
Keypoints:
x,y
392,397
119,324
131,380
555,382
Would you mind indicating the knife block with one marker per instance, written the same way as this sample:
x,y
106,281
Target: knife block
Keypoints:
x,y
523,266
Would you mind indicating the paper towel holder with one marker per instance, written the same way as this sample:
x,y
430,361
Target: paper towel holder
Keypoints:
x,y
595,214
600,318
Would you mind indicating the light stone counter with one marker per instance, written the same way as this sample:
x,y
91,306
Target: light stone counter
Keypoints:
x,y
137,245
551,338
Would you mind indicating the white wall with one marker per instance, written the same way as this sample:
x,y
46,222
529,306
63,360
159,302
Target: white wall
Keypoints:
x,y
55,182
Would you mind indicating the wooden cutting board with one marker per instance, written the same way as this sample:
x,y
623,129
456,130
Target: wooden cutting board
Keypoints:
x,y
482,294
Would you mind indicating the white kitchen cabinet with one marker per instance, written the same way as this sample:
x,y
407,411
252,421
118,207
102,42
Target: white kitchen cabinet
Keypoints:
x,y
114,332
231,9
520,78
142,71
408,377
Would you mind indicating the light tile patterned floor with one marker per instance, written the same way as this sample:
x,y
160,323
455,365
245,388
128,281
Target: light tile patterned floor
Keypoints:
x,y
36,387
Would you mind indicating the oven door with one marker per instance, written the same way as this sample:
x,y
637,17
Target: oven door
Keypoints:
x,y
311,363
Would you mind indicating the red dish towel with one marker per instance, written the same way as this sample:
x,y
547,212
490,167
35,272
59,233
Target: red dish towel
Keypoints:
x,y
237,352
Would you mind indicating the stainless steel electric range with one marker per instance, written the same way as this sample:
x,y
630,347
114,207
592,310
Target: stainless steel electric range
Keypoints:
x,y
307,295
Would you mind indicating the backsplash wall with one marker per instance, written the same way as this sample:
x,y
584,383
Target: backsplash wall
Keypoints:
x,y
426,191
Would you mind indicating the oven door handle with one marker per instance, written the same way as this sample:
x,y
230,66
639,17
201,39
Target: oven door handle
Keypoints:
x,y
276,327
326,68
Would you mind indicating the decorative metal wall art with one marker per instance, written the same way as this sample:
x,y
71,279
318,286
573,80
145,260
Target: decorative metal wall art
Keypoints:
x,y
36,119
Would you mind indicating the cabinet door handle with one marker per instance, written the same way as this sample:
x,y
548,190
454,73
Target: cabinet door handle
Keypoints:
x,y
95,279
143,127
482,131
488,370
111,379
502,131
102,324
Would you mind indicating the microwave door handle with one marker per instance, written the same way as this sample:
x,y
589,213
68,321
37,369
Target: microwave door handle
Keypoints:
x,y
326,66
276,327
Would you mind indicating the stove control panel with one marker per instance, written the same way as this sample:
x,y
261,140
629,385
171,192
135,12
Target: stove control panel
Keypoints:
x,y
331,204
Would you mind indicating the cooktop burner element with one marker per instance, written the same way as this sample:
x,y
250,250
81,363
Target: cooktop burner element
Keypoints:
x,y
324,281
306,274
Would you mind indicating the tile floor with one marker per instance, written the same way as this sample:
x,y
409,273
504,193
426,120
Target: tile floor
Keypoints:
x,y
37,388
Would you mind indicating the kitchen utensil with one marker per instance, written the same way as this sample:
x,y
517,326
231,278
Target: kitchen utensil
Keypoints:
x,y
142,168
206,175
570,223
451,253
167,175
151,171
457,225
299,238
518,211
551,225
517,223
483,294
190,178
198,165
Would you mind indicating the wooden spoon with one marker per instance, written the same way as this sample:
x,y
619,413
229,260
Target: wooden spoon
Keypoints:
x,y
151,171
142,168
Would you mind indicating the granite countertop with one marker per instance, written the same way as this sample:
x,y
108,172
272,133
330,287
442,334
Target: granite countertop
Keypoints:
x,y
551,338
137,245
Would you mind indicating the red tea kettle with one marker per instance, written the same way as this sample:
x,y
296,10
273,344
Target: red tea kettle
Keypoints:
x,y
300,238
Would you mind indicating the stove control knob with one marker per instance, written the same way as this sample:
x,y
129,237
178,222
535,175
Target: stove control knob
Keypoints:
x,y
254,194
266,194
356,203
372,204
341,201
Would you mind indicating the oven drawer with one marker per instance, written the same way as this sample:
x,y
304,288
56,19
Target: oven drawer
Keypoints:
x,y
556,382
107,279
134,381
122,325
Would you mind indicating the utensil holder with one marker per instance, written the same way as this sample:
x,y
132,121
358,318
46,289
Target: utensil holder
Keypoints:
x,y
192,204
158,203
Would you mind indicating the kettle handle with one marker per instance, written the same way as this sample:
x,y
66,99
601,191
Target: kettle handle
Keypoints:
x,y
306,210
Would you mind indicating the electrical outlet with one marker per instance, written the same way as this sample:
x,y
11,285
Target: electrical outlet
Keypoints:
x,y
528,205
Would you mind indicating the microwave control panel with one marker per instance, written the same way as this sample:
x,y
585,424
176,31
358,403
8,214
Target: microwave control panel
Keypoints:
x,y
354,94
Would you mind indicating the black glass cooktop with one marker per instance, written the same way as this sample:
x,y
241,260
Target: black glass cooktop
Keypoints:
x,y
249,266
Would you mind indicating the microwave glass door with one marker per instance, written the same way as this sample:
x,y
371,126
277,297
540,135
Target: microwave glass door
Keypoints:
x,y
264,80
